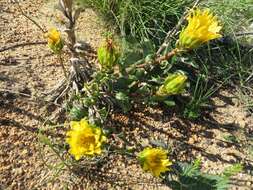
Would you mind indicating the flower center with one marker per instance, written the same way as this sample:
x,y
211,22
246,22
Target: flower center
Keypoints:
x,y
155,161
86,141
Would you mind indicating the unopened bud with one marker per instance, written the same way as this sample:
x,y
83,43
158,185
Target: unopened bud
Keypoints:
x,y
173,84
108,54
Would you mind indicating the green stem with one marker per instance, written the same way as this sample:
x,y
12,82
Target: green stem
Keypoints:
x,y
156,60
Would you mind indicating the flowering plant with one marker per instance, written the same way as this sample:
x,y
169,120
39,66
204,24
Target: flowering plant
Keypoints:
x,y
202,27
84,139
55,41
154,160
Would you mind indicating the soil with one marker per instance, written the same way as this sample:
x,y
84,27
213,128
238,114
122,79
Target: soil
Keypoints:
x,y
33,70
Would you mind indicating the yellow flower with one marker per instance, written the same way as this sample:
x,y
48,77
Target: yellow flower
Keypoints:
x,y
174,84
202,27
54,36
84,139
154,160
54,40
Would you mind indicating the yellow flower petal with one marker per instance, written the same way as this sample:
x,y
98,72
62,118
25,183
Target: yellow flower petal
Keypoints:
x,y
53,35
54,40
74,124
202,27
154,160
84,139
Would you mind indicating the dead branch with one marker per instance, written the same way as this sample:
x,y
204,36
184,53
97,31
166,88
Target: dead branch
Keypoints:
x,y
16,92
29,18
21,45
58,89
32,98
62,66
244,34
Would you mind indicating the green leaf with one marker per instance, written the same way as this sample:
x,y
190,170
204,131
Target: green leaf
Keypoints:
x,y
144,89
232,170
191,113
148,47
192,169
170,103
190,177
122,83
77,113
231,138
122,96
45,140
123,101
139,73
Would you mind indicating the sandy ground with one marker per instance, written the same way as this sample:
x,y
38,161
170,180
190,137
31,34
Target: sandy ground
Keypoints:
x,y
34,70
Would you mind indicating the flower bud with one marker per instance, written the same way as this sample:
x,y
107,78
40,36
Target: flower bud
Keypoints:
x,y
55,41
174,84
108,54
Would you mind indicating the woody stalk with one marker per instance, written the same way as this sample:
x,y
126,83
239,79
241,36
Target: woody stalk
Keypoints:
x,y
78,70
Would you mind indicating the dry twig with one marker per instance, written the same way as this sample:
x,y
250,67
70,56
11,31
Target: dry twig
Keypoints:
x,y
29,18
21,45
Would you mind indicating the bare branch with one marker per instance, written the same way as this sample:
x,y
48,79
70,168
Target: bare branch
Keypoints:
x,y
33,21
21,45
28,96
16,92
244,34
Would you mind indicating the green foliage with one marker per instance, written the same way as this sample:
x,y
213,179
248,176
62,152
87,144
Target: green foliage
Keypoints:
x,y
231,138
77,113
236,14
138,78
143,18
232,170
123,101
134,51
141,23
200,97
190,177
56,48
144,23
